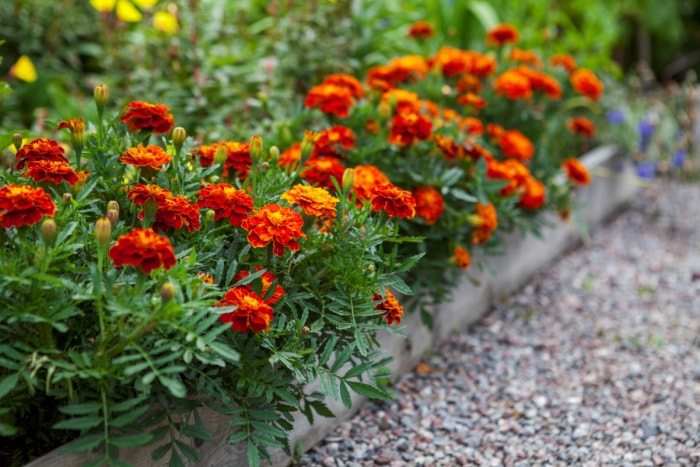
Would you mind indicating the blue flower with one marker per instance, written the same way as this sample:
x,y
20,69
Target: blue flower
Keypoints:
x,y
678,158
646,170
616,116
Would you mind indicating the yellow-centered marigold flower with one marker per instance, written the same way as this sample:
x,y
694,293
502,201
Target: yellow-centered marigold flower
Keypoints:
x,y
313,201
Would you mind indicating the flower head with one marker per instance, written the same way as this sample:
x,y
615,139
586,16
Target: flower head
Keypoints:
x,y
565,61
313,201
176,212
23,205
331,99
267,279
143,249
151,156
274,224
392,311
515,144
421,30
533,195
409,127
334,140
394,200
513,84
502,34
346,81
251,313
237,156
76,126
148,117
366,178
485,221
140,193
581,126
462,258
586,83
53,171
525,56
576,171
429,203
226,201
322,170
40,149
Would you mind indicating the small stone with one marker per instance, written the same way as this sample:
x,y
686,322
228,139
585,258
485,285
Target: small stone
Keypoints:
x,y
382,459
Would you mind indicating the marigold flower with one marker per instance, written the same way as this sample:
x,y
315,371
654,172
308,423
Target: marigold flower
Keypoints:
x,y
40,149
334,140
471,125
513,84
83,176
512,170
401,100
267,279
421,30
331,99
346,81
53,171
407,128
176,212
565,61
451,61
206,278
392,311
462,258
472,100
143,249
251,313
151,156
494,130
371,126
449,147
515,144
312,200
23,205
274,224
394,200
581,126
226,201
148,117
291,156
399,70
469,83
429,203
482,65
586,83
321,171
541,81
366,178
525,56
533,195
237,156
140,193
485,222
77,132
502,34
576,171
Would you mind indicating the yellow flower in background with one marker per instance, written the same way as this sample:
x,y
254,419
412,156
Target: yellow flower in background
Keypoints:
x,y
24,70
125,9
166,22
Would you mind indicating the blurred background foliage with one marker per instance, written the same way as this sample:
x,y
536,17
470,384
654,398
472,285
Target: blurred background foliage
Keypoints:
x,y
223,67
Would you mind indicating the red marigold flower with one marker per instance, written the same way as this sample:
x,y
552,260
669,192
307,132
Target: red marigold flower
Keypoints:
x,y
176,212
151,156
525,56
586,83
462,258
332,141
251,312
399,70
331,99
40,149
565,61
274,224
407,128
321,171
513,84
485,222
421,30
512,170
392,199
449,147
469,83
149,117
576,172
267,279
450,60
581,126
346,81
482,65
429,204
53,171
471,125
515,144
237,156
143,249
23,205
371,126
313,201
495,131
502,34
392,311
226,201
472,100
534,194
400,101
366,178
541,81
140,193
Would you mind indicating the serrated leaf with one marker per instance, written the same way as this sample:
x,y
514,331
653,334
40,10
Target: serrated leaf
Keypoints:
x,y
237,437
160,452
322,409
128,417
8,384
195,431
252,454
327,350
175,387
345,395
130,441
357,370
188,451
367,390
79,423
81,409
225,352
268,429
175,460
342,357
84,443
128,404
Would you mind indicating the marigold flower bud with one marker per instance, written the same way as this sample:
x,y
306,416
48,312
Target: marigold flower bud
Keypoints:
x,y
76,126
48,230
179,136
101,95
113,216
221,154
167,292
370,268
265,165
305,331
113,205
256,148
274,153
348,179
103,231
308,144
210,215
17,140
67,197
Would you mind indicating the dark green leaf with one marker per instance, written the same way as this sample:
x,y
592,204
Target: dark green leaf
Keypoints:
x,y
84,443
79,423
367,390
8,384
345,395
129,417
252,454
237,437
160,451
130,441
225,352
188,451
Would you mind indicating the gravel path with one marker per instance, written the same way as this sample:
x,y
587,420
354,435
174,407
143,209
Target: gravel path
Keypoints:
x,y
595,362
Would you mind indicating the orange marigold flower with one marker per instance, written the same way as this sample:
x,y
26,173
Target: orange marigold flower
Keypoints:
x,y
291,156
392,311
274,224
525,56
469,83
346,81
23,205
371,126
143,249
407,68
149,117
176,212
429,204
482,65
421,30
475,151
83,176
53,171
226,201
140,193
312,200
495,131
407,128
541,81
512,170
394,200
366,178
515,144
237,156
502,34
565,61
448,146
471,125
334,140
534,194
462,258
513,84
206,278
331,99
485,222
401,100
586,83
321,171
251,313
151,156
581,126
473,100
576,172
40,149
266,280
451,61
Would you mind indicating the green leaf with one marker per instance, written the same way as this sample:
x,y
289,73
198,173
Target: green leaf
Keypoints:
x,y
357,370
268,429
128,404
252,454
322,409
367,390
342,357
8,384
84,443
326,355
345,395
79,423
176,388
225,352
188,451
175,460
7,430
237,437
131,441
160,451
196,431
129,417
